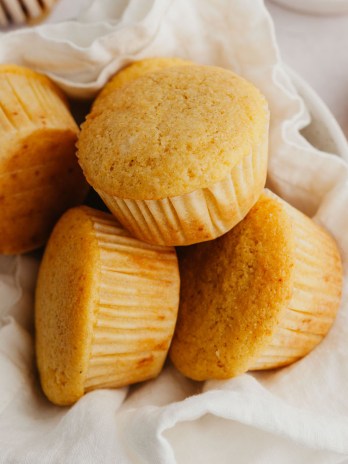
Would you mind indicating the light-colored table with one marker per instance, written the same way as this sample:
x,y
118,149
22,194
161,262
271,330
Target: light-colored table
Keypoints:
x,y
316,48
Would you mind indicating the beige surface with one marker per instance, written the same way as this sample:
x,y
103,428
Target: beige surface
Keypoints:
x,y
261,296
106,306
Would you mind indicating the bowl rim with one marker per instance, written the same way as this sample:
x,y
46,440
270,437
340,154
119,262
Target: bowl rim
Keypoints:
x,y
316,7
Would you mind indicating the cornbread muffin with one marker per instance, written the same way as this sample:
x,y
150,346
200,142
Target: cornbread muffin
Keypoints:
x,y
39,174
261,296
135,70
178,155
106,306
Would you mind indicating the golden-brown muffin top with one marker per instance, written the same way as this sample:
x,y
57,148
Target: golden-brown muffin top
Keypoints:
x,y
232,292
66,297
135,70
171,132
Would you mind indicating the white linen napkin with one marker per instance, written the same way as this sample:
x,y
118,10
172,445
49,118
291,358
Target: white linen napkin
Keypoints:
x,y
297,414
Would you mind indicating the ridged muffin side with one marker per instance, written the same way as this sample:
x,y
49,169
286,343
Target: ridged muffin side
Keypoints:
x,y
137,307
106,307
316,293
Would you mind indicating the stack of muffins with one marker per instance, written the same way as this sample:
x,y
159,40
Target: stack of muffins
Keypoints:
x,y
178,153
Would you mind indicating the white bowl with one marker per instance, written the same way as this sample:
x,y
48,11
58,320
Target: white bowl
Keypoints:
x,y
315,6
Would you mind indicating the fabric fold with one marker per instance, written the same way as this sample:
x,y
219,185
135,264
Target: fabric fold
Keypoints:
x,y
295,414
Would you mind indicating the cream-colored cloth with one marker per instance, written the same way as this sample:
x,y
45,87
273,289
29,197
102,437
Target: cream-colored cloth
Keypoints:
x,y
297,414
